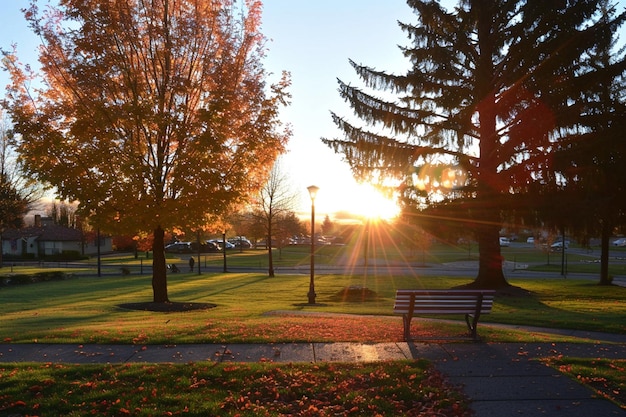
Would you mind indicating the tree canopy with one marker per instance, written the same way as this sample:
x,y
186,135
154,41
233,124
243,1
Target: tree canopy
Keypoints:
x,y
493,88
152,115
592,161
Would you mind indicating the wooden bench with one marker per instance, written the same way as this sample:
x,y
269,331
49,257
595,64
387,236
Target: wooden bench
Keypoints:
x,y
472,303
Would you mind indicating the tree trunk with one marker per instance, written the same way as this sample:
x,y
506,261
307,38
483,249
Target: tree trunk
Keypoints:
x,y
490,260
490,275
270,255
159,271
604,253
270,218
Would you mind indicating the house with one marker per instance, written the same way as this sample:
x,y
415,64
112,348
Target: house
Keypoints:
x,y
44,238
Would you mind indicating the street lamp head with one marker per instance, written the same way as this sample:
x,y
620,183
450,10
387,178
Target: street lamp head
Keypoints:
x,y
312,191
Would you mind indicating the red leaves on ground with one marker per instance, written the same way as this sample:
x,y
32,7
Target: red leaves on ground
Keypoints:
x,y
389,388
315,328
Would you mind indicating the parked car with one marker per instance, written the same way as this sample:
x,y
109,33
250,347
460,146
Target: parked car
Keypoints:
x,y
206,247
530,240
620,242
559,244
221,243
179,247
240,242
504,241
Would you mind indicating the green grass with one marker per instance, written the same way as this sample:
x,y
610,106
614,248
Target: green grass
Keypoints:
x,y
523,256
607,377
86,310
208,389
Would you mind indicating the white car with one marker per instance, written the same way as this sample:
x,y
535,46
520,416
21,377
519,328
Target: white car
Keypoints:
x,y
559,244
620,242
504,241
530,240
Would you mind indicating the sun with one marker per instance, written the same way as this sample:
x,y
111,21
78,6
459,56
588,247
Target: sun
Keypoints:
x,y
365,200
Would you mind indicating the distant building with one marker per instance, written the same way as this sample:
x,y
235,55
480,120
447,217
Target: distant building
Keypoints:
x,y
44,238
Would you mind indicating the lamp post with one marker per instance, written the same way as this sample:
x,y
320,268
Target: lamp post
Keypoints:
x,y
312,193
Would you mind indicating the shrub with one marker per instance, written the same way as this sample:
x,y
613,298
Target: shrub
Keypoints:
x,y
23,279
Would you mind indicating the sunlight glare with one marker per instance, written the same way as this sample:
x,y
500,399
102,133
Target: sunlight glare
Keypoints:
x,y
366,201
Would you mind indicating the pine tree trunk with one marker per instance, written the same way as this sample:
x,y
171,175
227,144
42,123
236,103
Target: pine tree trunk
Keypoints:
x,y
490,275
490,260
159,271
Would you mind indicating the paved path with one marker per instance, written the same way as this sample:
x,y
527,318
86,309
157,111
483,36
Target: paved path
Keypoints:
x,y
502,379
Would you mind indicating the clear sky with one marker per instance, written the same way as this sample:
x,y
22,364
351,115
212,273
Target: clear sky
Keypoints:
x,y
313,40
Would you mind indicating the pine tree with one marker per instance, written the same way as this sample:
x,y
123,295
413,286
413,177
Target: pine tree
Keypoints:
x,y
474,121
591,157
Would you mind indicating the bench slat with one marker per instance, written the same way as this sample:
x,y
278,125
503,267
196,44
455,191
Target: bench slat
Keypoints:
x,y
472,303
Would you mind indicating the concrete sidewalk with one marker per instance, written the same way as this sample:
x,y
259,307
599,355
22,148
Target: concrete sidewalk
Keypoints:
x,y
502,379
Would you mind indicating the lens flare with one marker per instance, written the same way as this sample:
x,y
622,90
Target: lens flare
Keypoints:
x,y
439,177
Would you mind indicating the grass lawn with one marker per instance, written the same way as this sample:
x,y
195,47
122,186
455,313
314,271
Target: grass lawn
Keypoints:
x,y
87,309
206,389
251,307
522,256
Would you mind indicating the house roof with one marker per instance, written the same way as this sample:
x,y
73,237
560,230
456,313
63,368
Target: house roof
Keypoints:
x,y
46,233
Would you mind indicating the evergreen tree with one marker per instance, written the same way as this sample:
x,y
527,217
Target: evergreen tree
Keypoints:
x,y
18,194
475,120
327,226
592,154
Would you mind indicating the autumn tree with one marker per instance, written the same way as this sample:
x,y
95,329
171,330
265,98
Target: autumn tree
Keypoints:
x,y
474,121
153,115
288,225
274,200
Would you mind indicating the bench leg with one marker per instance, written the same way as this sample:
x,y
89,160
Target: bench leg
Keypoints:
x,y
472,324
406,322
474,318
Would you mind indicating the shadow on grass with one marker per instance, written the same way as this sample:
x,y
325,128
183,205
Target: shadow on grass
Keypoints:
x,y
355,293
171,307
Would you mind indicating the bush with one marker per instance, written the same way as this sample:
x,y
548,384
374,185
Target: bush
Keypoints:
x,y
22,257
17,279
23,279
50,276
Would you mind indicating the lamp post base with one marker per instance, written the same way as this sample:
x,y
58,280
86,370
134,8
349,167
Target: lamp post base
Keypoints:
x,y
311,297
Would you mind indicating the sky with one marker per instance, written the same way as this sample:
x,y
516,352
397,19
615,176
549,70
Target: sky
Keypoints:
x,y
313,40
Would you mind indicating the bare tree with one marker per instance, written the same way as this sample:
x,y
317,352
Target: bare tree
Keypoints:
x,y
276,198
63,213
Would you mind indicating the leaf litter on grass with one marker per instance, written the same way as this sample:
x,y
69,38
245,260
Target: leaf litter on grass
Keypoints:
x,y
411,388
